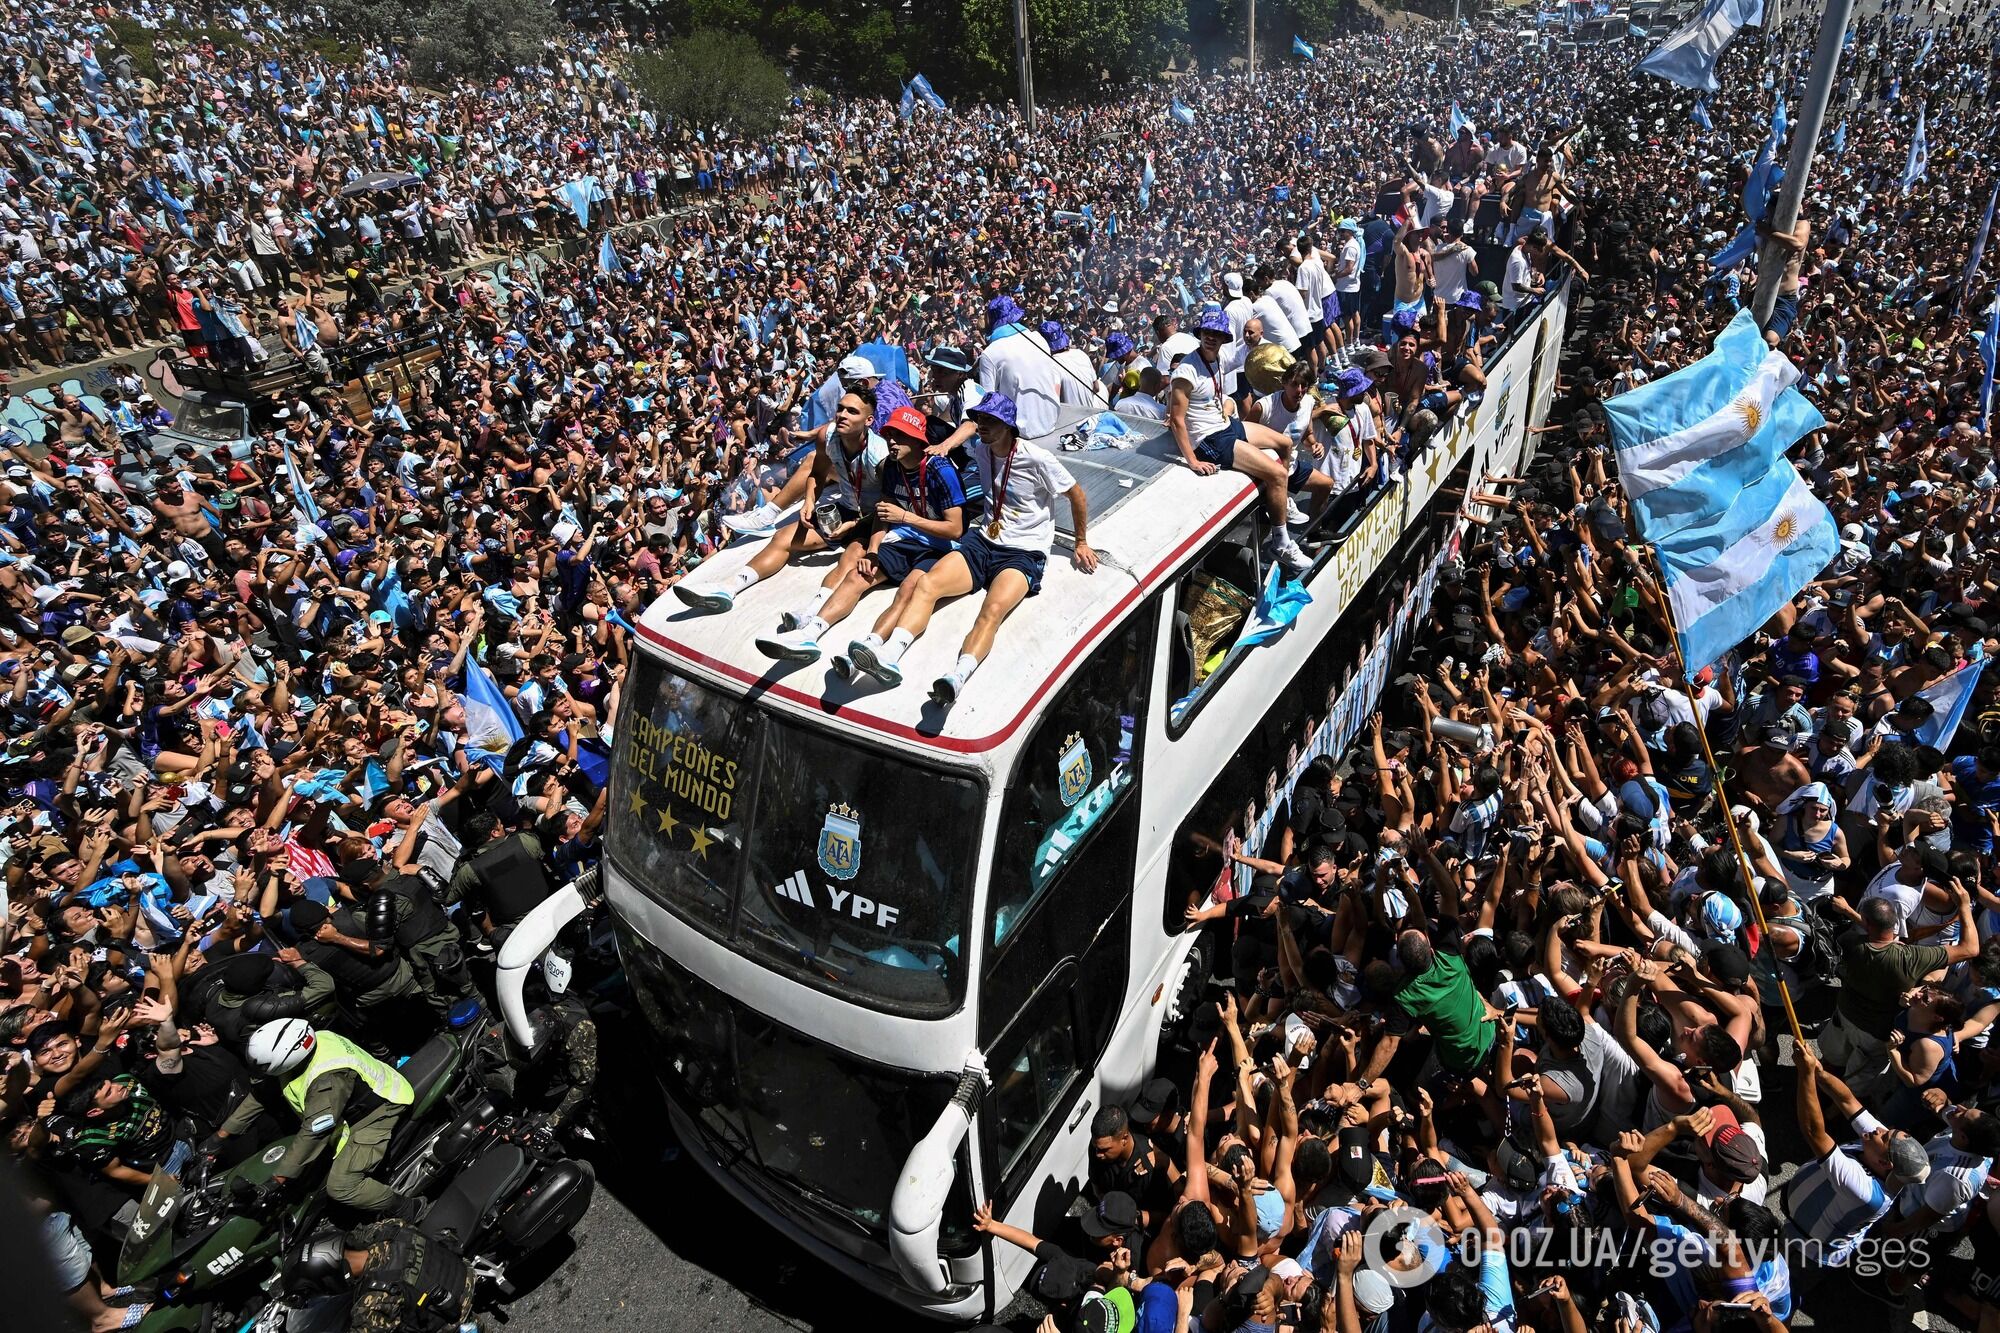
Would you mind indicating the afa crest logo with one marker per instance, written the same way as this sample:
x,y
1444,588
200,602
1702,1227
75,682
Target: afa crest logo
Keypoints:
x,y
1073,770
840,842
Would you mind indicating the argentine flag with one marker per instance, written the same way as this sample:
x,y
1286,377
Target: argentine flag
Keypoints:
x,y
1181,112
1700,114
1458,121
1688,57
1300,48
1919,164
1950,696
1701,452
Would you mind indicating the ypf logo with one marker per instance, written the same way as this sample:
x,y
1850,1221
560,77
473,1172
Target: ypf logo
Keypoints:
x,y
1395,1236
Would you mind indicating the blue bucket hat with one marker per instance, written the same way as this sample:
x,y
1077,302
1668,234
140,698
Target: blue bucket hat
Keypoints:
x,y
1002,310
996,407
1354,383
1213,321
1470,299
1117,346
1052,332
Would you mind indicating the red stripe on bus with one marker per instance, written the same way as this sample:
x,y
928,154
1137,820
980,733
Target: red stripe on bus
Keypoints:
x,y
975,744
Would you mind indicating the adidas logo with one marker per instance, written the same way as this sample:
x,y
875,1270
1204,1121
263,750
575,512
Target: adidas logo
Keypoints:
x,y
797,889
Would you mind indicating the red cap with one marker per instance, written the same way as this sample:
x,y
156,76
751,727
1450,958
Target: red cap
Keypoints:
x,y
907,421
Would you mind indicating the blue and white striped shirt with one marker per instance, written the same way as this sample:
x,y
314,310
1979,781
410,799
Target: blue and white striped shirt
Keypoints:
x,y
1835,1200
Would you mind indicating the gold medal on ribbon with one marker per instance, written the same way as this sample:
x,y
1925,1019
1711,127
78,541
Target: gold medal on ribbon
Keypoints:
x,y
993,529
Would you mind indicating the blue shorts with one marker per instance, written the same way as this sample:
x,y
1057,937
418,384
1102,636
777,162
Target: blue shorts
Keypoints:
x,y
1220,448
988,560
1302,467
899,560
1783,315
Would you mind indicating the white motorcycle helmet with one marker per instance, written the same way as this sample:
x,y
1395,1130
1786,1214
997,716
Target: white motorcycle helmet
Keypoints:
x,y
281,1046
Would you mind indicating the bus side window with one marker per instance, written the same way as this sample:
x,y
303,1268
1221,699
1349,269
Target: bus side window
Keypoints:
x,y
1195,865
1212,603
1080,764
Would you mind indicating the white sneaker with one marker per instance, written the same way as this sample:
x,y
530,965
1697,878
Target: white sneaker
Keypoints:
x,y
945,689
843,667
759,522
1294,515
864,658
1291,558
791,620
792,646
715,601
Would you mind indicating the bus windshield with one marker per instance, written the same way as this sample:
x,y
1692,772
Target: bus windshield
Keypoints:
x,y
845,868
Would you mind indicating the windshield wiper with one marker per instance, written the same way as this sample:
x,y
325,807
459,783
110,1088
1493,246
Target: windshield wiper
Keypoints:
x,y
827,1202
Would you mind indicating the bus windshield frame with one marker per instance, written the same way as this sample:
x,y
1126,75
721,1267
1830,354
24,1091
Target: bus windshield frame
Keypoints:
x,y
840,865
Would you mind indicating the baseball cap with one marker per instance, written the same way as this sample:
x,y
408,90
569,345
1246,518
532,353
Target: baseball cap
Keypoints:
x,y
908,422
1233,283
1371,358
1516,1164
1116,1213
75,635
1103,1312
1372,1292
1908,1163
858,368
1734,1152
1159,1096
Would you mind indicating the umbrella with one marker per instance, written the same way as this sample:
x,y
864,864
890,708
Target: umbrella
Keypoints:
x,y
376,182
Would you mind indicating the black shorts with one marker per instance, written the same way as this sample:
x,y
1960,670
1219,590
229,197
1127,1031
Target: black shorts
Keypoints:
x,y
1220,447
899,560
1315,337
987,560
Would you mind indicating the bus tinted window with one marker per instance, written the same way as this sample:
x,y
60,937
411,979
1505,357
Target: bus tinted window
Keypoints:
x,y
839,866
1079,765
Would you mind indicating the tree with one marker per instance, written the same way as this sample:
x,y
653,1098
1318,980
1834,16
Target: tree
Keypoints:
x,y
1078,44
471,38
713,78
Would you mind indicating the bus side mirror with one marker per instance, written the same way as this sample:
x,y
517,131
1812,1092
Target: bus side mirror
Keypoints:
x,y
529,940
917,1206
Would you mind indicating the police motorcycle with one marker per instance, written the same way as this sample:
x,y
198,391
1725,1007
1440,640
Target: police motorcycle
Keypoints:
x,y
208,1237
514,1195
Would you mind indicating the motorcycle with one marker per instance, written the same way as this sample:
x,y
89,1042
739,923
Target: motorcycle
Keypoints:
x,y
515,1194
206,1236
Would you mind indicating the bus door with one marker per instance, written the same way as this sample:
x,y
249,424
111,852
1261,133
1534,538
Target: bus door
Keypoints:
x,y
1058,918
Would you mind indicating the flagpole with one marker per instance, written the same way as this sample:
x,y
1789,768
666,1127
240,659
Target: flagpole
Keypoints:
x,y
1021,58
1772,257
1253,41
1721,790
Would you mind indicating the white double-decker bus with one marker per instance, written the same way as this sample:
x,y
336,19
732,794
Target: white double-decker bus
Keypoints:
x,y
896,957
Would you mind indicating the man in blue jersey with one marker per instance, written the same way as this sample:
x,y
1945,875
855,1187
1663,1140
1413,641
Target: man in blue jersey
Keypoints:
x,y
919,519
1834,1200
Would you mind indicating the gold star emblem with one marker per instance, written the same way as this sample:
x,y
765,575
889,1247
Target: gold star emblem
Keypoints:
x,y
702,841
667,821
636,805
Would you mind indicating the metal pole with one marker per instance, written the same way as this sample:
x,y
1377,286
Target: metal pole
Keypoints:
x,y
1021,58
1253,41
1772,257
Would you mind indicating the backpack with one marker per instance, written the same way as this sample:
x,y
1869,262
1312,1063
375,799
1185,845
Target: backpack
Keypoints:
x,y
1819,955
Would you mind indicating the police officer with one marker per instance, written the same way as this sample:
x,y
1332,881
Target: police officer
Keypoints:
x,y
502,876
255,988
554,1074
402,1279
342,1096
402,912
372,981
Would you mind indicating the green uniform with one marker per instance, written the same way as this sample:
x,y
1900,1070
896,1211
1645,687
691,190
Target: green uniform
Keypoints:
x,y
345,1097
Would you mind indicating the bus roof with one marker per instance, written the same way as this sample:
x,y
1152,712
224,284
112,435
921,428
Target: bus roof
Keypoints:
x,y
1147,515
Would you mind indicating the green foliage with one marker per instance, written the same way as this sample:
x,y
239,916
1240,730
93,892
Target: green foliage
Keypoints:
x,y
713,78
479,38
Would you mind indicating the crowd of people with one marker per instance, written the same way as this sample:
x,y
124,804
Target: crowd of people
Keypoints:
x,y
1505,974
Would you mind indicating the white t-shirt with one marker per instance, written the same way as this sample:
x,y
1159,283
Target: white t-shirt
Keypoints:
x,y
1021,366
1286,420
1906,899
1294,303
1520,282
1350,255
1204,389
1438,200
1314,281
1513,157
1034,478
1078,385
1451,263
1277,325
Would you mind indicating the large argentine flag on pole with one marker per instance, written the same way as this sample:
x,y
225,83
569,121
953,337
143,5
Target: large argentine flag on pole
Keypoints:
x,y
1701,452
1688,57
